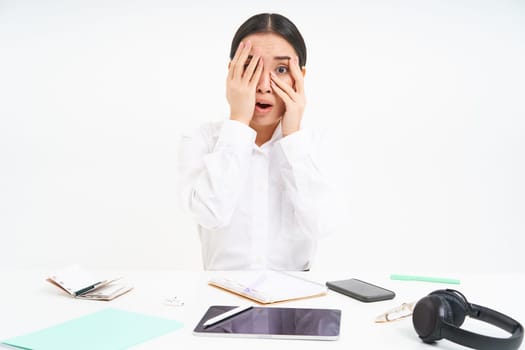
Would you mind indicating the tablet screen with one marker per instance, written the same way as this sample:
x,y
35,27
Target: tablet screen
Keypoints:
x,y
274,322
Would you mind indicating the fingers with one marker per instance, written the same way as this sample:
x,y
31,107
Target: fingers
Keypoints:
x,y
297,75
297,90
281,88
234,60
237,64
257,74
252,67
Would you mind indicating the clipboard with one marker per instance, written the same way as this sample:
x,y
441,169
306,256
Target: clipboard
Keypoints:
x,y
268,286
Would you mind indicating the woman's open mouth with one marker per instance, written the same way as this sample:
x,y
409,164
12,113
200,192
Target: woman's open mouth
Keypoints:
x,y
263,107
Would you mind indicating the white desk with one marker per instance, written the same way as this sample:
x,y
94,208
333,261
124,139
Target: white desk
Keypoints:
x,y
28,303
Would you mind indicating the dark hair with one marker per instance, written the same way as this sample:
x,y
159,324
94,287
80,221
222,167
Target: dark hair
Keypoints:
x,y
271,23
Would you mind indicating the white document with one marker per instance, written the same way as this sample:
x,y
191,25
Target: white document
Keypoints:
x,y
268,286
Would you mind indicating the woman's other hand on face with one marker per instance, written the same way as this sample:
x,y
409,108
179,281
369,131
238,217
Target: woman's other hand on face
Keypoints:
x,y
243,75
293,97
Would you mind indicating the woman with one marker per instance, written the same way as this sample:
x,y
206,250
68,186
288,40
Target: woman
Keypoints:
x,y
252,182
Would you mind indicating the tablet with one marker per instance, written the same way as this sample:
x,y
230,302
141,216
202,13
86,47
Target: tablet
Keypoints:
x,y
273,322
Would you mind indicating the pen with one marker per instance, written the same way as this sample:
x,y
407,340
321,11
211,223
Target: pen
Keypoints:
x,y
226,314
424,279
88,288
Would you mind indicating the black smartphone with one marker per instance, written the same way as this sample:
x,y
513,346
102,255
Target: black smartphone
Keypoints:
x,y
361,290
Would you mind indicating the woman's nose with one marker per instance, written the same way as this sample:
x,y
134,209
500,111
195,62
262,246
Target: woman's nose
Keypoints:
x,y
263,85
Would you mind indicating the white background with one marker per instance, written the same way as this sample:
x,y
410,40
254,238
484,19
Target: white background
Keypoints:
x,y
425,100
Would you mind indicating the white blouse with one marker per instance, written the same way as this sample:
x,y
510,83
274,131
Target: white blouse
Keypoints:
x,y
255,207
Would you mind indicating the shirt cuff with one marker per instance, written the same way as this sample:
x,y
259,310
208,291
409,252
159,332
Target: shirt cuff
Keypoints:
x,y
235,135
296,146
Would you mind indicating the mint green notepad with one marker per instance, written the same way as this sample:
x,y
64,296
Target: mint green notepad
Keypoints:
x,y
109,329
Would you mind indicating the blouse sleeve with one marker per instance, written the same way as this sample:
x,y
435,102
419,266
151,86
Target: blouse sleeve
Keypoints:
x,y
212,174
306,176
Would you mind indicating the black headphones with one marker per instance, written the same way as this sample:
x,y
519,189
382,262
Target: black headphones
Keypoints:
x,y
440,314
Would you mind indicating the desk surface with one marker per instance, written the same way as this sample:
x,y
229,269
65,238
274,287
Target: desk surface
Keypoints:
x,y
29,303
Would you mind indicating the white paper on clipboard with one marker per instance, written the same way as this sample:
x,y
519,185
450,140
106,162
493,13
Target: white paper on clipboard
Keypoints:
x,y
268,286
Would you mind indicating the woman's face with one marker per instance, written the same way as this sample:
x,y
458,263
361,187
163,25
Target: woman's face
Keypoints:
x,y
275,53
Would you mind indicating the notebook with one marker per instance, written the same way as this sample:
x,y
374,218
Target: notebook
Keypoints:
x,y
84,284
107,329
267,286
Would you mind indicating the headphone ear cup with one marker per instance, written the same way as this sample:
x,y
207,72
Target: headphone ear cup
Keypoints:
x,y
456,309
426,318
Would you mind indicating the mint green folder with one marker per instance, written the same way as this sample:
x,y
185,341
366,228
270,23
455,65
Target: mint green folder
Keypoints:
x,y
109,329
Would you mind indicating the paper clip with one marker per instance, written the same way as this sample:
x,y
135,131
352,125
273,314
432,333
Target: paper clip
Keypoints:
x,y
173,301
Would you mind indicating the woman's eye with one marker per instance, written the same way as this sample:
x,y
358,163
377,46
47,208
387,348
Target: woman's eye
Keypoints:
x,y
282,69
246,64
